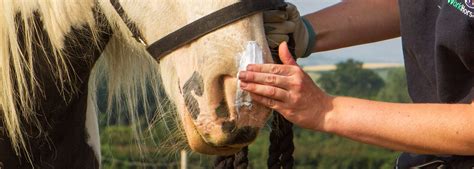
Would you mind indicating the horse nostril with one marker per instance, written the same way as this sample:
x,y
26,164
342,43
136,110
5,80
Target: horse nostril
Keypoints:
x,y
222,111
227,88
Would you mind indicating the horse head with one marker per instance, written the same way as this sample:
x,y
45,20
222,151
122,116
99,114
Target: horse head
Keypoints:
x,y
200,77
48,50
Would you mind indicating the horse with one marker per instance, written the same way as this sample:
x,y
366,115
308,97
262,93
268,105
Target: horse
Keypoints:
x,y
53,52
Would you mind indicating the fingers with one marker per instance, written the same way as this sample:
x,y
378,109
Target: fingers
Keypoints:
x,y
285,55
283,70
292,12
278,32
267,102
275,16
271,92
265,79
274,40
277,27
280,27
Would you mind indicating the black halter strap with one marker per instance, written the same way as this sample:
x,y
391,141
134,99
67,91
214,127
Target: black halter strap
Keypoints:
x,y
131,26
200,27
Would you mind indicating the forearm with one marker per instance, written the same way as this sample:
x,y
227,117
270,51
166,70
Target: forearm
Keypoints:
x,y
354,22
417,128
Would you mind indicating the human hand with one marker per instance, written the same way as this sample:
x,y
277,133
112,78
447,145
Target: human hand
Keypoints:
x,y
281,24
288,90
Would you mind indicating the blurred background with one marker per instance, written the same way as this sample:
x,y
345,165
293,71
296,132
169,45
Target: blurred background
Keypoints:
x,y
373,71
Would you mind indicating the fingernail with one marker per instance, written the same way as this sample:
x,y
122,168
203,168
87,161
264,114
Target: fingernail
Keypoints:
x,y
242,75
250,67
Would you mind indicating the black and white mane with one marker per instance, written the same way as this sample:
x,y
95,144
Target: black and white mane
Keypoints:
x,y
48,50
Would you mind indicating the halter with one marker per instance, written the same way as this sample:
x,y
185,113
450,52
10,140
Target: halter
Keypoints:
x,y
200,27
281,136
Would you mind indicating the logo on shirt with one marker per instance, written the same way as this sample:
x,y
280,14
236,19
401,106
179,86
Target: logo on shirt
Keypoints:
x,y
469,3
465,8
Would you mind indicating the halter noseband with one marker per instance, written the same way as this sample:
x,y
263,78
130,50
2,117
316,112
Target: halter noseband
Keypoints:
x,y
200,27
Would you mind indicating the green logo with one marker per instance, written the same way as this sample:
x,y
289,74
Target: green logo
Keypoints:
x,y
462,7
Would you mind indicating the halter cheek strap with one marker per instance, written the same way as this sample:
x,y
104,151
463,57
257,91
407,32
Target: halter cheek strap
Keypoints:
x,y
131,25
200,27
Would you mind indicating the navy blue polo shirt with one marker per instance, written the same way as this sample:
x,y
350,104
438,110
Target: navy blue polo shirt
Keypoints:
x,y
438,46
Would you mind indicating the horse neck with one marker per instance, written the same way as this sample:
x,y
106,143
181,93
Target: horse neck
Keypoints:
x,y
42,38
54,40
78,41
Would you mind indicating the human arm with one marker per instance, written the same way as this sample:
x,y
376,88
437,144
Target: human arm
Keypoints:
x,y
355,22
416,128
348,23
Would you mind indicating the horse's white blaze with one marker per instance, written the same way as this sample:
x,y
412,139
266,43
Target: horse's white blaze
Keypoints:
x,y
212,56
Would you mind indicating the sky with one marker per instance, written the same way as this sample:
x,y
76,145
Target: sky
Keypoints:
x,y
389,51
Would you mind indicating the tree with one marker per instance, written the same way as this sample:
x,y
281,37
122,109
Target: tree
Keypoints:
x,y
396,89
350,79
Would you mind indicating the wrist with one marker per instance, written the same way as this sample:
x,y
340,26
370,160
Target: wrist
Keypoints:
x,y
326,114
311,37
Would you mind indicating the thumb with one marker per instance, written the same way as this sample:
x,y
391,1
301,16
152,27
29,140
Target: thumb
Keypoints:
x,y
285,55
